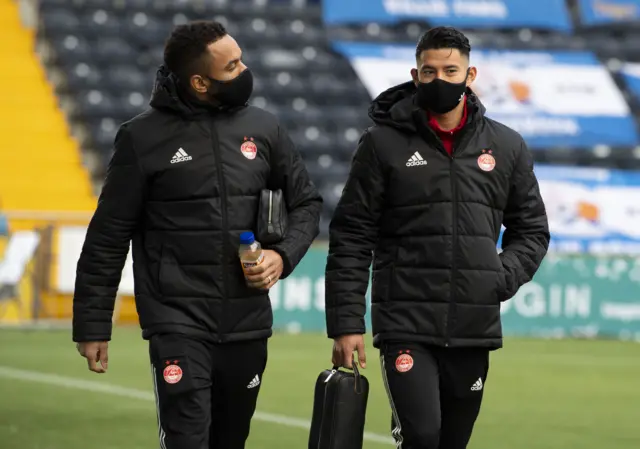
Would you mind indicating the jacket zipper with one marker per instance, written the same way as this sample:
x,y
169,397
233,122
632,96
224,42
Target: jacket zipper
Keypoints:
x,y
269,226
225,227
454,237
430,135
454,245
467,130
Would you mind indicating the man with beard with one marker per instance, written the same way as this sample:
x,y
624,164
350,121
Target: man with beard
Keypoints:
x,y
182,185
431,184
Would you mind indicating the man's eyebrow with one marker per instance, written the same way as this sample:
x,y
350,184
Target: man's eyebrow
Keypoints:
x,y
450,66
234,61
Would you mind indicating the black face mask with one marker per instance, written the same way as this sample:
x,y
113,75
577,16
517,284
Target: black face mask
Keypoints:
x,y
440,96
235,92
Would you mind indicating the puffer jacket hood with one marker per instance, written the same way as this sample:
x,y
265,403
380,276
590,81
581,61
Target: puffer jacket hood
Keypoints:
x,y
397,106
169,96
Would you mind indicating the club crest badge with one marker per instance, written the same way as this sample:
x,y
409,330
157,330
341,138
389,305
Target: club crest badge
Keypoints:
x,y
172,373
404,363
486,161
249,148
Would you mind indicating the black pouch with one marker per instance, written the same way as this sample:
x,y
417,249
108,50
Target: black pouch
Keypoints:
x,y
339,410
272,217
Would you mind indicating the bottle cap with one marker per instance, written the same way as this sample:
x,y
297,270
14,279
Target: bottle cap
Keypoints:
x,y
247,238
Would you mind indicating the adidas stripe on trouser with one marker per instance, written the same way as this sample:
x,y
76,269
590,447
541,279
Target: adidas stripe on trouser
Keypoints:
x,y
212,404
436,402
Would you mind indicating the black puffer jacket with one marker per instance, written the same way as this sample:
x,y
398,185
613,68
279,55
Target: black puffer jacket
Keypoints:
x,y
432,222
182,190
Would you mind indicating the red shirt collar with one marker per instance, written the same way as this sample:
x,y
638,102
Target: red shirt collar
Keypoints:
x,y
436,127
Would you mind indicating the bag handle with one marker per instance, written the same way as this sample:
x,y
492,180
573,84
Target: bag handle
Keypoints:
x,y
357,385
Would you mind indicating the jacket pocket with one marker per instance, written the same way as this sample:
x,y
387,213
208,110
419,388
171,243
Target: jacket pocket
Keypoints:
x,y
382,278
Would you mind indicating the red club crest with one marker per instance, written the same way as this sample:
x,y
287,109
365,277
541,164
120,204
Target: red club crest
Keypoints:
x,y
404,363
172,374
486,161
249,148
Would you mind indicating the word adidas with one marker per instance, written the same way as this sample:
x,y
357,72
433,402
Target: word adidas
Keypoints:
x,y
180,156
416,159
477,386
254,382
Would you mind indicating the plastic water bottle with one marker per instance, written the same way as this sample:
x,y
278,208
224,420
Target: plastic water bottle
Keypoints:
x,y
250,251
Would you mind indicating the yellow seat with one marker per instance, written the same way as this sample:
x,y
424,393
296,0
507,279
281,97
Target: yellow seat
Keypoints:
x,y
41,166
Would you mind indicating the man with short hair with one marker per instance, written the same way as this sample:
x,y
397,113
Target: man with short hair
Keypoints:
x,y
183,184
430,186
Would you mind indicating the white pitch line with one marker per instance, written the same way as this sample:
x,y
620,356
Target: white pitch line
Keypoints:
x,y
131,393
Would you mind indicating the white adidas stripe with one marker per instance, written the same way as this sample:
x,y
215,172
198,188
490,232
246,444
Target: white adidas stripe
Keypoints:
x,y
161,434
397,431
418,156
182,152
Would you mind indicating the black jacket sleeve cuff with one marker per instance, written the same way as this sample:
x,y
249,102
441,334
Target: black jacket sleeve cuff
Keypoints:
x,y
287,266
91,331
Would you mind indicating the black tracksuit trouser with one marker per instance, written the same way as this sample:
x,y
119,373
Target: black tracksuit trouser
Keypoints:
x,y
435,393
206,394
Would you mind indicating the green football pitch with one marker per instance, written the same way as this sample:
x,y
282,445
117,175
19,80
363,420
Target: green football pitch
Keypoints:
x,y
539,395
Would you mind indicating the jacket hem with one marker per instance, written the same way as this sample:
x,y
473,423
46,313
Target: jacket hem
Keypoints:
x,y
205,334
341,332
488,343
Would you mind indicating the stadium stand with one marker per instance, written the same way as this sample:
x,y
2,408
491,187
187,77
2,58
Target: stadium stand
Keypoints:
x,y
101,56
34,131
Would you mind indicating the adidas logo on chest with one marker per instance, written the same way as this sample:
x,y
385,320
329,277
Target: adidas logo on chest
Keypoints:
x,y
415,160
180,156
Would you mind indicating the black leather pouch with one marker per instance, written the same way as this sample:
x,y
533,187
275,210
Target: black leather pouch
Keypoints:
x,y
339,410
272,217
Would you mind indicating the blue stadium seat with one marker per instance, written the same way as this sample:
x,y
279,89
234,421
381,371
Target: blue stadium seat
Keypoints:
x,y
149,59
604,44
59,21
112,49
333,172
145,29
353,116
70,49
630,47
331,193
128,78
102,132
94,104
82,76
329,89
301,32
287,84
100,23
